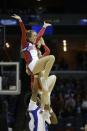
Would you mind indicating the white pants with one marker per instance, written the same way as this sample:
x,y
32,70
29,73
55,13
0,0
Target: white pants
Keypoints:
x,y
45,96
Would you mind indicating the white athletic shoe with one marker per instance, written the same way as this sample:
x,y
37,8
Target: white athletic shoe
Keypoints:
x,y
10,129
43,83
47,116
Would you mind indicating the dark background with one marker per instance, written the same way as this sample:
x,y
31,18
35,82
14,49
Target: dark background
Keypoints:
x,y
49,6
67,14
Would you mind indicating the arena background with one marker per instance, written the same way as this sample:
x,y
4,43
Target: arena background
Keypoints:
x,y
67,39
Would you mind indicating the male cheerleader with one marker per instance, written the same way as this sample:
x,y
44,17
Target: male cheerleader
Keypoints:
x,y
39,118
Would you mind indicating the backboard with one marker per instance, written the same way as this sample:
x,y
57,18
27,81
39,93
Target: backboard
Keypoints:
x,y
9,78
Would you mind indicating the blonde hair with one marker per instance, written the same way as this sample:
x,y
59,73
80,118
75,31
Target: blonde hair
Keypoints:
x,y
29,34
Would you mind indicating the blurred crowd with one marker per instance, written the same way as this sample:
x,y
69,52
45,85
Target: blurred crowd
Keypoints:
x,y
69,101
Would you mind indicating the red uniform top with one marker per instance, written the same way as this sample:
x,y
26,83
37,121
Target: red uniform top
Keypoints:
x,y
24,42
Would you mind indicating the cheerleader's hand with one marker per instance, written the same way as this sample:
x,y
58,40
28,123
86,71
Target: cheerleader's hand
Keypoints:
x,y
16,17
46,24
